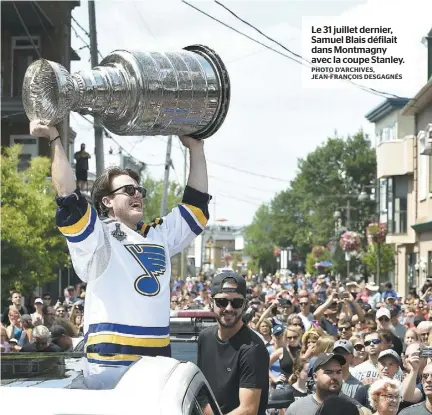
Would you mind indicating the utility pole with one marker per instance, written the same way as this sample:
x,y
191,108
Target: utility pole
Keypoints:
x,y
348,225
98,130
184,252
166,177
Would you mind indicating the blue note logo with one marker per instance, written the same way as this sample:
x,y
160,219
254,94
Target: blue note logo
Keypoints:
x,y
152,260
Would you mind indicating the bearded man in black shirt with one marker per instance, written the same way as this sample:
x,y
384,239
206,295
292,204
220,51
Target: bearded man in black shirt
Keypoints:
x,y
231,356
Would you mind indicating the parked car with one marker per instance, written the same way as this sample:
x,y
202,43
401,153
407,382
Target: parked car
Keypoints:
x,y
56,384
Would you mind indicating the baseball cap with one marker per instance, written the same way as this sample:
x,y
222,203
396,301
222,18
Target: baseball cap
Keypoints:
x,y
344,344
219,280
382,312
324,358
278,330
56,332
38,301
390,353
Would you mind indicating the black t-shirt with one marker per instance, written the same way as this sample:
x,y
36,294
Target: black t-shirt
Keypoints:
x,y
31,348
240,362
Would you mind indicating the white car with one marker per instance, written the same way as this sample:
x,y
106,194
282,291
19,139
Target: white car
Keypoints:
x,y
55,385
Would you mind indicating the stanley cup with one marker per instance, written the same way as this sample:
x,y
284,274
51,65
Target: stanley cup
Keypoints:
x,y
136,93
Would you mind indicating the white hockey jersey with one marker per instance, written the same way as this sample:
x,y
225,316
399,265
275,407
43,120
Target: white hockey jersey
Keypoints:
x,y
127,308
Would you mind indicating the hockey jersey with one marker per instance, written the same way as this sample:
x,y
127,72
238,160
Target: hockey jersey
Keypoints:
x,y
127,273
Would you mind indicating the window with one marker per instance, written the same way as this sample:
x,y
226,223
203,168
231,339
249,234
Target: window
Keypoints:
x,y
23,54
397,204
197,398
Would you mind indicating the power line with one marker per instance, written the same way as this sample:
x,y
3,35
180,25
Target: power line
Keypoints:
x,y
240,33
366,89
250,172
85,31
143,22
86,45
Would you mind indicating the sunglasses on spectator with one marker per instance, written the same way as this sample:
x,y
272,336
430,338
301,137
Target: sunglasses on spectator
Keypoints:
x,y
292,337
358,347
425,376
344,328
131,189
373,341
235,302
304,303
384,319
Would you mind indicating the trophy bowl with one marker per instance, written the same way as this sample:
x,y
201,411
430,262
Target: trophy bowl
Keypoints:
x,y
136,93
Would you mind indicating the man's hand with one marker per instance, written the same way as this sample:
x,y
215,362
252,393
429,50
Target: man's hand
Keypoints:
x,y
190,142
412,363
40,130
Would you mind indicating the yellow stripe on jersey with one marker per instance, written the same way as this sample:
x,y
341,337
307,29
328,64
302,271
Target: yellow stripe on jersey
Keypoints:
x,y
77,227
98,356
198,213
128,341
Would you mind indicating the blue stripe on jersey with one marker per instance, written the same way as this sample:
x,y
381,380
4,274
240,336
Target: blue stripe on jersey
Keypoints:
x,y
124,329
195,228
111,348
87,232
110,362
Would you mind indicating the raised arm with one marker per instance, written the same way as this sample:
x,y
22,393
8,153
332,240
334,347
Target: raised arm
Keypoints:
x,y
198,167
62,174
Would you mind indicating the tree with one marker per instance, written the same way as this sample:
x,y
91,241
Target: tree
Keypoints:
x,y
303,214
259,245
154,197
387,254
32,247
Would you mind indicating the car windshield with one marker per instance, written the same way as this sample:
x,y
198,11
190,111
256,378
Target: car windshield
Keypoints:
x,y
55,370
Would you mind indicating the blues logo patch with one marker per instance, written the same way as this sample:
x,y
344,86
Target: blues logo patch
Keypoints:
x,y
151,259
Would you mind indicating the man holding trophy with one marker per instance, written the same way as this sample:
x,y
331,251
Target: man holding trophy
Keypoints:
x,y
126,263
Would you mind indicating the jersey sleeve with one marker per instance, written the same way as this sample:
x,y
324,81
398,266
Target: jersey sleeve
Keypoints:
x,y
78,221
184,223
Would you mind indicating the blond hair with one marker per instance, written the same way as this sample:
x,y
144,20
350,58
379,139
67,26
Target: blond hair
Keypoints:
x,y
324,345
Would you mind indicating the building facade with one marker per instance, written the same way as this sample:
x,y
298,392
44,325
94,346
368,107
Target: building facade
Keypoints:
x,y
31,30
403,130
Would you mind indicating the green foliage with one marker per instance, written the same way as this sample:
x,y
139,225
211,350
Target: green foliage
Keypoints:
x,y
152,203
258,243
311,260
302,215
32,247
387,253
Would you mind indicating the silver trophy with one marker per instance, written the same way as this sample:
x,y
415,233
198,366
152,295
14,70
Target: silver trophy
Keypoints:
x,y
136,93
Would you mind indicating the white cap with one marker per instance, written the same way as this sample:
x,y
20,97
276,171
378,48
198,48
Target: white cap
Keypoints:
x,y
383,312
38,301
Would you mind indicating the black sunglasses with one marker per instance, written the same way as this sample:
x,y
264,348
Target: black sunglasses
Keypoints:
x,y
344,328
373,341
235,302
384,319
359,347
130,190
